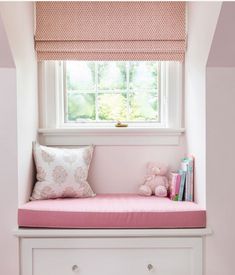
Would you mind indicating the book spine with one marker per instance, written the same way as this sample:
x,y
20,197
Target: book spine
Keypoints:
x,y
188,184
184,167
191,172
182,185
177,188
173,186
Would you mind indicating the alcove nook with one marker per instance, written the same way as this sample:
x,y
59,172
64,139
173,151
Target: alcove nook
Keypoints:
x,y
206,129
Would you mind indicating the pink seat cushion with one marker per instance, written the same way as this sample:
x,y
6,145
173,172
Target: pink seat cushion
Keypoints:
x,y
111,211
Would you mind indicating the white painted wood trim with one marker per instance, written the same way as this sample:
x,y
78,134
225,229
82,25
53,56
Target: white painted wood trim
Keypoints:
x,y
92,233
110,136
92,243
26,255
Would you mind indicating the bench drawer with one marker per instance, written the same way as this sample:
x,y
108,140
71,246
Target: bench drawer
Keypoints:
x,y
160,256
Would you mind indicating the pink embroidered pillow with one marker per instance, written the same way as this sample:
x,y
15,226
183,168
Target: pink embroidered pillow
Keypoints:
x,y
62,173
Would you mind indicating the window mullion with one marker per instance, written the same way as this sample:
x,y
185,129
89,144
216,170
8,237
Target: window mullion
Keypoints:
x,y
128,89
96,92
65,92
159,92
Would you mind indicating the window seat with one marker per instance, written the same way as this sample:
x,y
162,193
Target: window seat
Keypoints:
x,y
112,211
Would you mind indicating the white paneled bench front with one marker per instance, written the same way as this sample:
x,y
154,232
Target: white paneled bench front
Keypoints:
x,y
111,251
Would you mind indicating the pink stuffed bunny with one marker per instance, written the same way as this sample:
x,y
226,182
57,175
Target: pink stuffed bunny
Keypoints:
x,y
156,181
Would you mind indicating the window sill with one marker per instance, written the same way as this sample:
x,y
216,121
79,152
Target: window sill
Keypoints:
x,y
110,136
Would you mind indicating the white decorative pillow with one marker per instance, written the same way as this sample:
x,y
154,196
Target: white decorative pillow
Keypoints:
x,y
62,173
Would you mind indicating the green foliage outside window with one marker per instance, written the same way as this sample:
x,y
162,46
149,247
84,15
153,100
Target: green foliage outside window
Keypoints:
x,y
111,91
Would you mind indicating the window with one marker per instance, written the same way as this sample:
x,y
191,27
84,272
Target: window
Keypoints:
x,y
83,100
106,92
80,102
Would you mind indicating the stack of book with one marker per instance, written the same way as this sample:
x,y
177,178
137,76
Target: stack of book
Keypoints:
x,y
181,182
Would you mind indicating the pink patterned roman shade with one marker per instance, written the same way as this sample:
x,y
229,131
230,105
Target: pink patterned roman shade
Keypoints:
x,y
110,30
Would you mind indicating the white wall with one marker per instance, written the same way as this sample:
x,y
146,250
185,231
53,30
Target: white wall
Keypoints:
x,y
202,19
18,121
8,158
18,18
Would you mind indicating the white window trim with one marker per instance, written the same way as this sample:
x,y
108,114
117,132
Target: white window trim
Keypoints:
x,y
114,136
54,132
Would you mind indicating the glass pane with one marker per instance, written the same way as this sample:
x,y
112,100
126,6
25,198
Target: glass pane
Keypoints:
x,y
143,75
80,75
80,107
111,75
112,107
143,106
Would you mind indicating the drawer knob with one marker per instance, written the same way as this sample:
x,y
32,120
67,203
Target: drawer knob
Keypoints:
x,y
75,268
150,267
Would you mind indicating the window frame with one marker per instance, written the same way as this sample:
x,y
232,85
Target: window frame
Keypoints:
x,y
161,113
51,113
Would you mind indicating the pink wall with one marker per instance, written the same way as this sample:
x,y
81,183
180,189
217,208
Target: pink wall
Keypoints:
x,y
8,159
220,148
6,58
222,52
202,19
210,117
121,169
